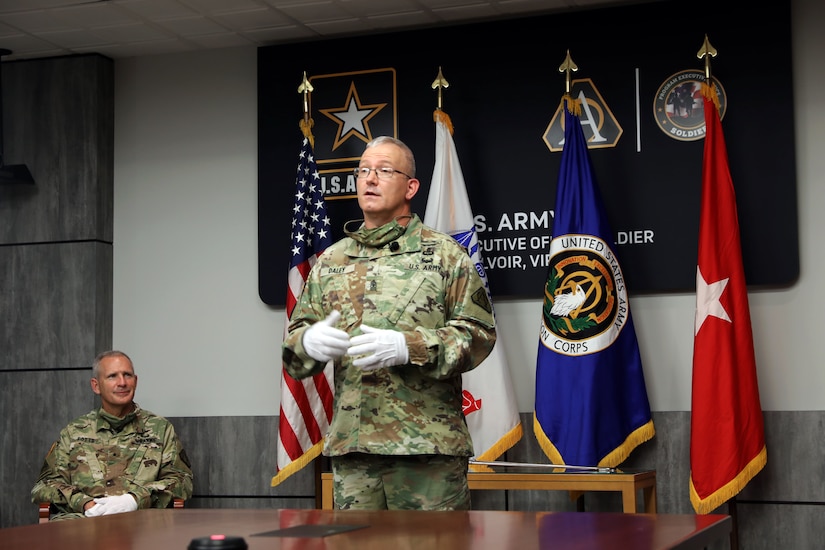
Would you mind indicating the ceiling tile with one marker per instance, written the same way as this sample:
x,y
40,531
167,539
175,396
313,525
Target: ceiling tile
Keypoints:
x,y
192,26
253,19
156,9
130,28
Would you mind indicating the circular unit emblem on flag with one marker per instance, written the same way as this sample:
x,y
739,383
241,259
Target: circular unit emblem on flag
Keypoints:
x,y
679,108
585,298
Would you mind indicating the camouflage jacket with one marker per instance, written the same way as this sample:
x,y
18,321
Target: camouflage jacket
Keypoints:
x,y
91,459
427,288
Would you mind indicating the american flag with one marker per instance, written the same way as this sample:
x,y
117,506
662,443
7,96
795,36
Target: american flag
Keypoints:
x,y
306,405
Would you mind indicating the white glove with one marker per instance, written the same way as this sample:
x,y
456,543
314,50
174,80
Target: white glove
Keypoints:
x,y
323,342
382,348
94,511
112,505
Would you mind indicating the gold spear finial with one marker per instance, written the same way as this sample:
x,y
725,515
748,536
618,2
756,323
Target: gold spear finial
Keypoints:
x,y
306,123
708,89
438,115
438,84
567,66
305,88
707,51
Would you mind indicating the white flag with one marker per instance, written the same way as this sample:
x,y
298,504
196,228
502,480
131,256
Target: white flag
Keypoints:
x,y
489,400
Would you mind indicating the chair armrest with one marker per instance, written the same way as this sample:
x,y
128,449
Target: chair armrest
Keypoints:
x,y
44,511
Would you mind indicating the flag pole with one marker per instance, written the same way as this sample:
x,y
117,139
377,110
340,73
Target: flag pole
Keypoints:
x,y
567,66
301,429
306,124
707,51
438,84
305,88
488,399
591,406
439,115
708,90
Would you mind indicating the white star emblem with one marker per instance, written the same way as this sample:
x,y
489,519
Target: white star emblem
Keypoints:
x,y
707,300
352,119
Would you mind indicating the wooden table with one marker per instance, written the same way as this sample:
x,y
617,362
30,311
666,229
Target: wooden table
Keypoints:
x,y
629,483
171,529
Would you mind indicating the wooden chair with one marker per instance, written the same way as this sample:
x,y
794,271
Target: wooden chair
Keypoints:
x,y
45,509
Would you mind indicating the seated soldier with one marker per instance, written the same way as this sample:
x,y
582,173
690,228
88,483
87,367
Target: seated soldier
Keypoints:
x,y
117,458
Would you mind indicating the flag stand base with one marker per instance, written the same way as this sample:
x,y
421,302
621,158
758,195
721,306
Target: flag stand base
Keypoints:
x,y
734,532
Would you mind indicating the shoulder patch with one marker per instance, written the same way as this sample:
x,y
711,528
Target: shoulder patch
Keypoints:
x,y
481,299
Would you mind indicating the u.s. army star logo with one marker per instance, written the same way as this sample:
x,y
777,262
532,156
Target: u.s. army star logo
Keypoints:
x,y
585,298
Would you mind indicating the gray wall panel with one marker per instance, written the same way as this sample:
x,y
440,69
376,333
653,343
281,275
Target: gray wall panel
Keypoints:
x,y
235,456
56,304
28,430
55,258
669,454
786,526
796,459
59,121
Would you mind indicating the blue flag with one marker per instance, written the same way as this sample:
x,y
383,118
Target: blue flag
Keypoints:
x,y
591,406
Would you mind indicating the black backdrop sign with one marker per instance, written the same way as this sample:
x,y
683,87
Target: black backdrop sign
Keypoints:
x,y
503,100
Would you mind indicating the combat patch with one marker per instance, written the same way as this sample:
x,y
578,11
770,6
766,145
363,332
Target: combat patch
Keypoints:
x,y
482,300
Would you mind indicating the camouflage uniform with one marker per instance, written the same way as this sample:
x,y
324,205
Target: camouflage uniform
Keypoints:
x,y
427,288
93,458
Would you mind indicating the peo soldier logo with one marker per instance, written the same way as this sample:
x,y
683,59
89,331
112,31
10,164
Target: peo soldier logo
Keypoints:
x,y
585,298
679,108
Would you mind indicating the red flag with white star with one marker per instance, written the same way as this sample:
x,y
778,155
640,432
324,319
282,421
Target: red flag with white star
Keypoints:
x,y
727,438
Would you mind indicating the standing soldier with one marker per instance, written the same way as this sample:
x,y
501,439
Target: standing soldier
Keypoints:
x,y
401,311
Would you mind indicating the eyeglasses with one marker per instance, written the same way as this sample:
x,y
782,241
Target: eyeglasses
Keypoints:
x,y
383,173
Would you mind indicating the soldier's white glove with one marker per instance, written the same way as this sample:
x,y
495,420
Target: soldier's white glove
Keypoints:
x,y
112,505
323,342
94,511
381,348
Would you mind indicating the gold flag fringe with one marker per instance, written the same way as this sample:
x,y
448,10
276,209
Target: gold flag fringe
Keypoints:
x,y
636,438
546,445
573,105
613,459
731,488
444,118
299,463
502,445
709,91
306,125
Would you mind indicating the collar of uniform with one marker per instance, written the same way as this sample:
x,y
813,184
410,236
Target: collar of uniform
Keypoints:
x,y
393,240
107,421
